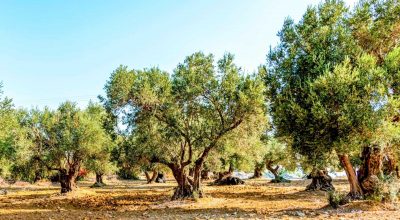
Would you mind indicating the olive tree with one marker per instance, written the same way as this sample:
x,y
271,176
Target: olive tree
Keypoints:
x,y
100,162
307,49
183,116
65,138
13,142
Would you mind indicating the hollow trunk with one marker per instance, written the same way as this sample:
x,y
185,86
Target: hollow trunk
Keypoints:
x,y
320,181
370,170
355,188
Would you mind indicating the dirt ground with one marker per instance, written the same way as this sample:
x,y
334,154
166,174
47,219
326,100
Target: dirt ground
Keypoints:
x,y
257,199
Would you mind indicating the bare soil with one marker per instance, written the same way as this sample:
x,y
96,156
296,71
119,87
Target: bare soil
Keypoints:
x,y
138,200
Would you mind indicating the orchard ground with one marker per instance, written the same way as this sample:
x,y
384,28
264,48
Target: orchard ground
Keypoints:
x,y
138,200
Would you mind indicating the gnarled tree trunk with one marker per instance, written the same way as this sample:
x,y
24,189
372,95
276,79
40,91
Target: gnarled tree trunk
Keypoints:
x,y
258,171
185,187
68,180
275,172
320,181
355,188
99,178
371,169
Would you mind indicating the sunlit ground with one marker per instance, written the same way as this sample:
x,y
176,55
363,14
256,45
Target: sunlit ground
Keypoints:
x,y
137,200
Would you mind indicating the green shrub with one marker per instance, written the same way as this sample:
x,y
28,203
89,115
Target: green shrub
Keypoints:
x,y
386,191
337,199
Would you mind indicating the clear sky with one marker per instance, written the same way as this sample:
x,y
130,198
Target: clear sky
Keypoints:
x,y
52,51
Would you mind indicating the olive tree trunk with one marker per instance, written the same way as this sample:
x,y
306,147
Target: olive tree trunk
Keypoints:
x,y
320,181
355,188
258,168
185,187
275,172
152,178
370,170
99,178
68,180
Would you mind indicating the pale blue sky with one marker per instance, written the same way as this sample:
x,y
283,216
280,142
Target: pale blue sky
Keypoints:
x,y
52,51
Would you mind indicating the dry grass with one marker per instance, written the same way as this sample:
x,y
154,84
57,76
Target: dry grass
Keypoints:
x,y
137,200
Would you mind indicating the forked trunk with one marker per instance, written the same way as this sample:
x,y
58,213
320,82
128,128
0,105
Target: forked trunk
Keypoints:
x,y
355,188
152,178
38,176
205,175
275,172
185,188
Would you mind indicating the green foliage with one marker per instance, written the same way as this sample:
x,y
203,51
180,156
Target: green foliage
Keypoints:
x,y
67,137
336,199
307,50
100,162
326,88
13,142
375,25
181,118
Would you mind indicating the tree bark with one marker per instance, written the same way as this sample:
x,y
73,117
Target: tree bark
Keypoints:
x,y
389,164
371,169
152,178
231,168
191,171
38,176
185,187
355,188
275,172
67,180
99,178
197,178
147,175
257,171
320,181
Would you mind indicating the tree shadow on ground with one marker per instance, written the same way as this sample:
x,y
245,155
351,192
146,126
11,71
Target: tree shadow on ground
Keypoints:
x,y
261,196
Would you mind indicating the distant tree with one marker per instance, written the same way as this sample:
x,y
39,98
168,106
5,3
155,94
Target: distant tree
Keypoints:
x,y
100,162
67,138
277,156
182,117
13,143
